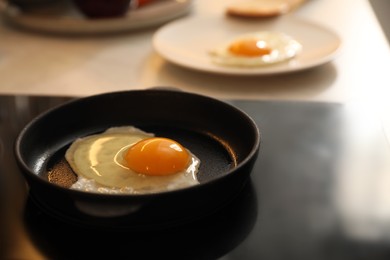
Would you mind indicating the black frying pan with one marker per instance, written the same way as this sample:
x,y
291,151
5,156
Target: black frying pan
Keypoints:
x,y
225,139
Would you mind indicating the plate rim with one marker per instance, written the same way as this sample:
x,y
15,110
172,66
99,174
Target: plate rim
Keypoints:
x,y
80,25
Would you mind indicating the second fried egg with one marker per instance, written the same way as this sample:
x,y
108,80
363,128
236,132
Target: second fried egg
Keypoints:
x,y
256,49
130,161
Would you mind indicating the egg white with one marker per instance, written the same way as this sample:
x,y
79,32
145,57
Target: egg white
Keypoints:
x,y
98,161
283,47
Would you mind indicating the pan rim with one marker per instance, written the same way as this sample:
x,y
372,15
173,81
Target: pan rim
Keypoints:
x,y
82,194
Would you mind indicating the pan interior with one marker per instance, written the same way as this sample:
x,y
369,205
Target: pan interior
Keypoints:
x,y
215,157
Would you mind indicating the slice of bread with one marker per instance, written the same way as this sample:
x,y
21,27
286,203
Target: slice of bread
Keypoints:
x,y
261,8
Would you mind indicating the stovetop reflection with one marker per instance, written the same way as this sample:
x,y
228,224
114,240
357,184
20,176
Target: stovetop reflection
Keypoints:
x,y
208,238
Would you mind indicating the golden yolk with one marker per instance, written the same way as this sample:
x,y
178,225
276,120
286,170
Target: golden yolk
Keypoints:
x,y
157,156
249,47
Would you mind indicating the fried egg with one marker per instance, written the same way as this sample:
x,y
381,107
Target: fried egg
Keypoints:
x,y
130,161
256,49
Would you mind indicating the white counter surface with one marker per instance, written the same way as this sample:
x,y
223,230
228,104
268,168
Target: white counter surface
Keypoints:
x,y
32,63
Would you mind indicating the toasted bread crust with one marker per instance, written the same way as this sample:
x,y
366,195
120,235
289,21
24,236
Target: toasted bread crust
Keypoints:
x,y
261,8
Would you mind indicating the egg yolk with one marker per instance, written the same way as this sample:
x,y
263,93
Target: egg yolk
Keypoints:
x,y
157,156
250,48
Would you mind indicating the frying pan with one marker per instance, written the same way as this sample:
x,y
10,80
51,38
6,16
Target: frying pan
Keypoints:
x,y
223,137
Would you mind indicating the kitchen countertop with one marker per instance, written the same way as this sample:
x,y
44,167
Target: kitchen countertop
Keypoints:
x,y
33,63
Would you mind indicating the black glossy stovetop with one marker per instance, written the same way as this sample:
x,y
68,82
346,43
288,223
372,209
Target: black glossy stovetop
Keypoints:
x,y
288,210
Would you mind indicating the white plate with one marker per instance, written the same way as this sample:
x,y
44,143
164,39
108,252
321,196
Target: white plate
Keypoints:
x,y
187,42
64,17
